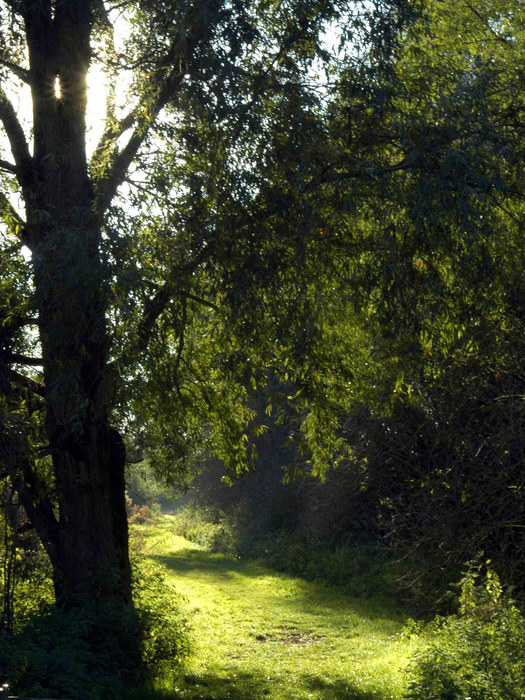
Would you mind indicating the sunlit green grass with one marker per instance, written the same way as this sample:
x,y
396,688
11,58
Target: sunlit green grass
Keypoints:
x,y
261,634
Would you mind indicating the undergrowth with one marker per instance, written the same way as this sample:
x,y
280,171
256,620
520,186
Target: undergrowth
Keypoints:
x,y
200,525
479,653
100,650
359,570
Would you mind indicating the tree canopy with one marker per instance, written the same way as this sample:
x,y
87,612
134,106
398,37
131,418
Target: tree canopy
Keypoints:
x,y
326,193
174,264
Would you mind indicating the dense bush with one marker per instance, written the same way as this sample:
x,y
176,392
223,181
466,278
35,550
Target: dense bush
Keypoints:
x,y
205,527
96,652
358,570
73,654
445,472
163,627
32,588
477,654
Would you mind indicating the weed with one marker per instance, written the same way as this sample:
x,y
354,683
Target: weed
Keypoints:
x,y
478,653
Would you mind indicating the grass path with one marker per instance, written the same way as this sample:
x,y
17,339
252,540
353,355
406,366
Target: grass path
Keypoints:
x,y
260,634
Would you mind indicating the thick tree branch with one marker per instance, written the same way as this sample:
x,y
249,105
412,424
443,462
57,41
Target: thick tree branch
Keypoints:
x,y
27,383
9,213
15,5
111,58
113,130
39,509
107,187
17,139
15,248
20,72
199,300
180,349
17,322
155,306
153,309
147,113
7,166
13,220
332,176
15,358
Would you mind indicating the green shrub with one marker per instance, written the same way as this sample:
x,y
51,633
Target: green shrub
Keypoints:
x,y
33,593
98,651
79,653
477,654
158,606
360,571
210,530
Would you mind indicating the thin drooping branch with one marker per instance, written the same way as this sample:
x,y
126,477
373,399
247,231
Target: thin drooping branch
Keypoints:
x,y
504,397
487,23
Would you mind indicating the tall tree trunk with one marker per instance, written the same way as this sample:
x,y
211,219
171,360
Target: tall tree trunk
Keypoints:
x,y
88,457
91,551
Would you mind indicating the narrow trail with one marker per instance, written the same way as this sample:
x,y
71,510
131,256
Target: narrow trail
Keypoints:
x,y
260,634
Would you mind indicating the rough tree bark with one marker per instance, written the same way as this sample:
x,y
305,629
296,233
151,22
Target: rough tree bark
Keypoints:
x,y
88,542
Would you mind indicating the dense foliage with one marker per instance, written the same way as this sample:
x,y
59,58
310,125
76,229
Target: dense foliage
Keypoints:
x,y
91,651
303,221
477,654
153,276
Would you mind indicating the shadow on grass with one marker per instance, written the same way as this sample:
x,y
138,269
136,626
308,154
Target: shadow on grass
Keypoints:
x,y
192,561
338,690
247,686
189,562
244,686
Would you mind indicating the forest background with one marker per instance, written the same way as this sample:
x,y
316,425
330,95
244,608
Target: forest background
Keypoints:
x,y
295,250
